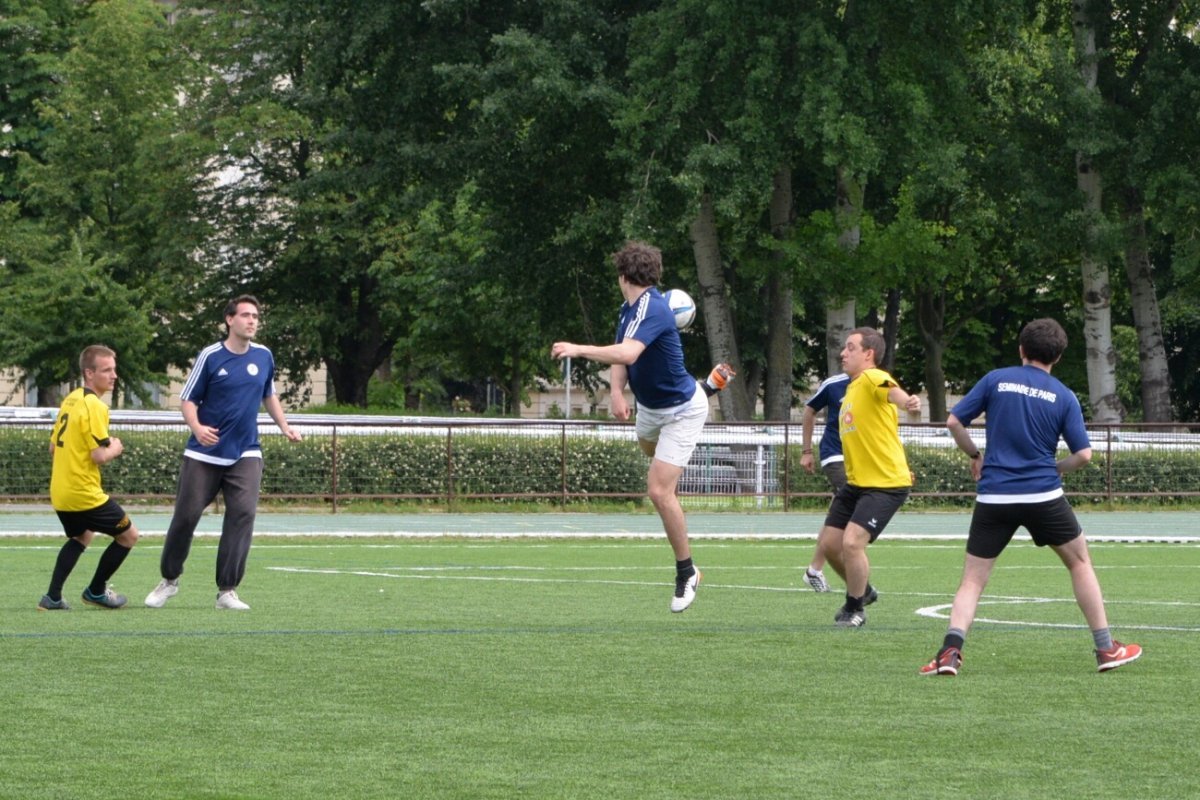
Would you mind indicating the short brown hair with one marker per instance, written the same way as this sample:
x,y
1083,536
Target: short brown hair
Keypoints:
x,y
231,306
1043,340
872,340
87,359
639,263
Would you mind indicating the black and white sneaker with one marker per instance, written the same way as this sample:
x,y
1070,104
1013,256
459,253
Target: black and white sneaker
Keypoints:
x,y
845,618
816,580
685,590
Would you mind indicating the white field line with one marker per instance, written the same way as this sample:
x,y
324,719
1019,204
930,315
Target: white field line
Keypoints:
x,y
941,611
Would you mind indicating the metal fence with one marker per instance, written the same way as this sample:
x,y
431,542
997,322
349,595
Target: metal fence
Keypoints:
x,y
443,461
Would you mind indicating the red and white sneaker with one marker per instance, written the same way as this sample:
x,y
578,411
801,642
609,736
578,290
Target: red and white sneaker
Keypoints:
x,y
1119,655
947,663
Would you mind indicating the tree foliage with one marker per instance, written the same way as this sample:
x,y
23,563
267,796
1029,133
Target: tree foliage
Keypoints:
x,y
429,190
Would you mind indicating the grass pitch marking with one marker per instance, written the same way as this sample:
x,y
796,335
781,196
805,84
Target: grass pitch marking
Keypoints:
x,y
942,612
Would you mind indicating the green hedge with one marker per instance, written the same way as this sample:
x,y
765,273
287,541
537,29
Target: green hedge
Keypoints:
x,y
943,477
384,464
513,465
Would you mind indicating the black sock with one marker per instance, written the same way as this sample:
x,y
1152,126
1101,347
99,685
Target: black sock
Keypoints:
x,y
684,567
954,638
68,557
110,560
853,603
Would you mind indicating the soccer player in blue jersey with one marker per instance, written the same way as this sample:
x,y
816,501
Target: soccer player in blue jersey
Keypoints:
x,y
220,400
828,396
1020,484
672,406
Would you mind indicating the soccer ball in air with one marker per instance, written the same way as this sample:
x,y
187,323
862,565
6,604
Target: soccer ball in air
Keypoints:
x,y
682,306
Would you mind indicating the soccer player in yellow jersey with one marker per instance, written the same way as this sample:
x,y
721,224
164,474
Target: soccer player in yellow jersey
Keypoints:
x,y
877,474
79,445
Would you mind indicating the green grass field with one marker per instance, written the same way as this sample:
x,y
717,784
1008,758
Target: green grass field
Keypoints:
x,y
453,668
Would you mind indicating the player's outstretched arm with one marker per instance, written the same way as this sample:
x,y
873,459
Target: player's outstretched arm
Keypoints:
x,y
623,352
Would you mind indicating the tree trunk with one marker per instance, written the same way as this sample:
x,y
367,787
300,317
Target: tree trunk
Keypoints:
x,y
891,329
49,396
777,399
1152,352
1097,289
361,346
931,322
839,312
516,382
736,402
349,385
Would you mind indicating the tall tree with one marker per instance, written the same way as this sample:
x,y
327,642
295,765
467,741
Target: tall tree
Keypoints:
x,y
1142,51
113,185
324,113
34,37
535,146
717,105
1097,291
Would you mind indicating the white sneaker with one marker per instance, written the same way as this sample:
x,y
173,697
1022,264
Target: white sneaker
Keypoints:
x,y
230,601
685,591
162,593
816,580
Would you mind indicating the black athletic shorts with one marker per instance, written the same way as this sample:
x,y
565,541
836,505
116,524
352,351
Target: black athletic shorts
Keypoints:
x,y
1051,522
870,508
109,518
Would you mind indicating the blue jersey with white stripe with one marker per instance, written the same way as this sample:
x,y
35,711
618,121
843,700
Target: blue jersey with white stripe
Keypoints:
x,y
658,377
228,388
829,395
1027,411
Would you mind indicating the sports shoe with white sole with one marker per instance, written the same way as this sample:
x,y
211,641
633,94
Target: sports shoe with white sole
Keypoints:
x,y
1119,655
231,602
46,604
845,618
160,594
816,580
685,590
109,599
947,662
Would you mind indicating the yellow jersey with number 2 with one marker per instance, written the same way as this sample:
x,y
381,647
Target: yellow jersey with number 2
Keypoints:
x,y
81,427
870,428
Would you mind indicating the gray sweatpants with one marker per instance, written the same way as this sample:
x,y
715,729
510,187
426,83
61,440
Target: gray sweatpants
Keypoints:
x,y
199,483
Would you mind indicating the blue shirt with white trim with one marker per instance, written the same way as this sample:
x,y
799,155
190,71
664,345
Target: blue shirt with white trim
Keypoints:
x,y
1027,411
658,377
228,389
829,395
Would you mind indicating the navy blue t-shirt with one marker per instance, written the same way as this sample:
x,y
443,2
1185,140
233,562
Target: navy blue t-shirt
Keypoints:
x,y
228,388
658,378
1027,411
829,395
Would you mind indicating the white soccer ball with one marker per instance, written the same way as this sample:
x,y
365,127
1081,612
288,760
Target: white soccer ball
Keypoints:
x,y
682,306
